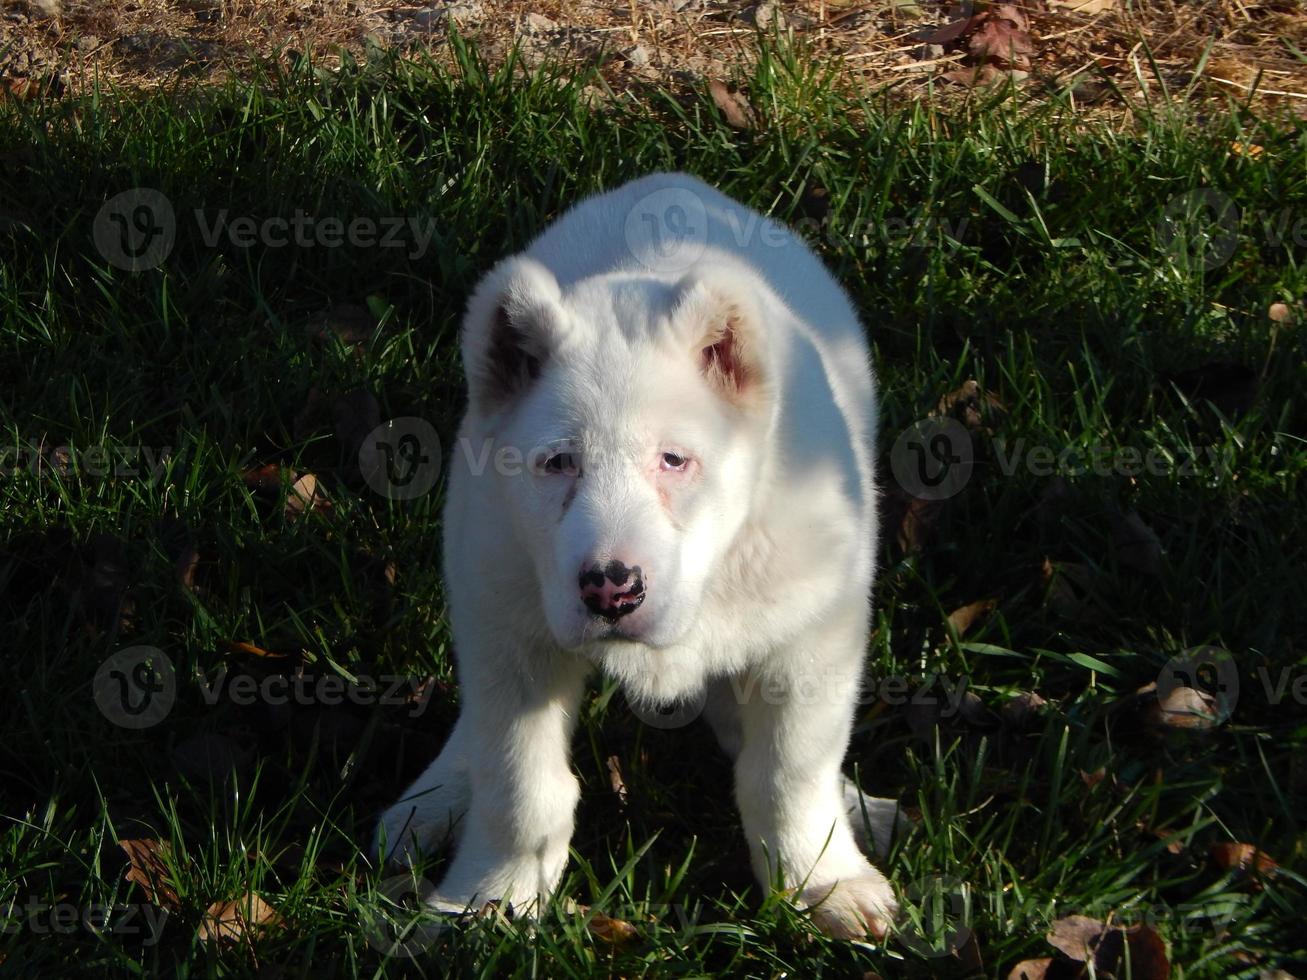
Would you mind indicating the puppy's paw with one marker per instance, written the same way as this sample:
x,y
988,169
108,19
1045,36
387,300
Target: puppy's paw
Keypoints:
x,y
854,907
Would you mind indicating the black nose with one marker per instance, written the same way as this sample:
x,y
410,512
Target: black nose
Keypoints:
x,y
612,590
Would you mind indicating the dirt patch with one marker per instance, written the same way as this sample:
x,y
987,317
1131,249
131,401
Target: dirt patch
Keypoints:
x,y
1108,53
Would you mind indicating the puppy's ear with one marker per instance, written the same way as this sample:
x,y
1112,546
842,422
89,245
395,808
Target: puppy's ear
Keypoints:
x,y
718,313
514,324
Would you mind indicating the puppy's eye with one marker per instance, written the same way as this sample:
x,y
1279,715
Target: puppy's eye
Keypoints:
x,y
566,463
673,461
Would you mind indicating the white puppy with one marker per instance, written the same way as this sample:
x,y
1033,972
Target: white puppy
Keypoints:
x,y
665,471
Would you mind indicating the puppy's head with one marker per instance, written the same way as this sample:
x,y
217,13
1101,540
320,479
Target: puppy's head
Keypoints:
x,y
640,408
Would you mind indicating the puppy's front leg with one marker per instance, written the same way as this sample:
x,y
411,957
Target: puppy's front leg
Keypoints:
x,y
795,727
518,726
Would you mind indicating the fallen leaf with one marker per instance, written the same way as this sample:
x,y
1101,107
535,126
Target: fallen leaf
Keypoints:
x,y
1244,857
1086,7
1030,969
1076,936
1137,951
230,922
1022,710
615,779
1188,707
349,323
614,932
1092,779
239,646
147,866
304,496
1000,39
951,32
962,619
970,404
733,105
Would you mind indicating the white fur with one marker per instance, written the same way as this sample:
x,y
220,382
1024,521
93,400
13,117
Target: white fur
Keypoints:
x,y
758,557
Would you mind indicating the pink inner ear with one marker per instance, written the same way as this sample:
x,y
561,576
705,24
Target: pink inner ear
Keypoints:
x,y
721,361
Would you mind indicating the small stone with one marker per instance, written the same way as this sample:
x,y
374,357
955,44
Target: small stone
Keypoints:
x,y
429,18
639,56
535,23
46,8
767,15
87,42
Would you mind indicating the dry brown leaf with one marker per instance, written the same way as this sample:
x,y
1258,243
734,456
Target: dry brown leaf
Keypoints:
x,y
1011,12
1092,779
1111,947
147,866
614,932
1022,710
1075,936
615,779
1031,969
999,39
734,105
230,922
350,323
1084,7
239,646
1231,856
304,496
969,403
962,619
951,32
1188,707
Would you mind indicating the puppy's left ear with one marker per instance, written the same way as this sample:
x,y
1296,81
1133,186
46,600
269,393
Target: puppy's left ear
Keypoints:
x,y
718,314
514,324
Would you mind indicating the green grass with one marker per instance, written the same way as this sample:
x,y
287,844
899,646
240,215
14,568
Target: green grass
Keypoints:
x,y
1037,270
